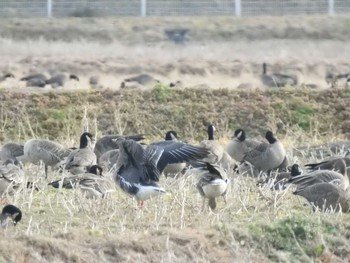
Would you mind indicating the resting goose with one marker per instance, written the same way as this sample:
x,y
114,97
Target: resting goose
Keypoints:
x,y
35,80
326,196
80,160
240,145
266,157
60,79
324,176
50,153
138,169
92,184
12,212
108,143
328,164
212,183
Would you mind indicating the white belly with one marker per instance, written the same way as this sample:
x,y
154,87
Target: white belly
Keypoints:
x,y
215,188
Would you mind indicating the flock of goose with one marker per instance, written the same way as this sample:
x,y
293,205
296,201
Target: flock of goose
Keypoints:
x,y
136,168
268,79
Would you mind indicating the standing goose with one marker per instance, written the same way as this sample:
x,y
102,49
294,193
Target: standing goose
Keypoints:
x,y
50,153
80,160
12,151
139,169
108,142
92,184
12,212
277,79
213,183
324,176
215,149
266,157
171,169
326,196
240,145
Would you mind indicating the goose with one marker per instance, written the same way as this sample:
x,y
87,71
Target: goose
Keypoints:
x,y
138,169
142,80
35,80
108,142
177,35
213,183
280,179
92,184
7,76
11,176
326,196
50,153
12,212
109,159
80,160
324,176
240,145
277,79
266,157
60,79
171,169
327,164
215,149
12,151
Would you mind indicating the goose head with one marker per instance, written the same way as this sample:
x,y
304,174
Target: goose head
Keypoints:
x,y
270,137
264,66
295,170
211,130
86,140
13,212
171,135
239,134
75,77
9,75
95,169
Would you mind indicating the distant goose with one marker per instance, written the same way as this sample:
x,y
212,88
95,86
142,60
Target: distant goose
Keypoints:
x,y
50,153
277,79
139,169
240,145
7,76
326,196
80,160
213,183
35,80
108,142
92,184
215,149
266,157
59,80
12,151
174,168
338,177
142,79
12,212
176,35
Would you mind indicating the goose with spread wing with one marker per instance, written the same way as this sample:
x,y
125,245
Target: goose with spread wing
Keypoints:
x,y
138,169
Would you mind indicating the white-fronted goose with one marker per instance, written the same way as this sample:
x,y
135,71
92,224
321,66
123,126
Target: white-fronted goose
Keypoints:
x,y
50,153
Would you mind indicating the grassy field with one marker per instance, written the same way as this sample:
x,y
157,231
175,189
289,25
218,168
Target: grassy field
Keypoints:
x,y
256,225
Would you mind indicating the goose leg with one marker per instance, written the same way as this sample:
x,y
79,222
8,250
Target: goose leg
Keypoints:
x,y
203,204
46,168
